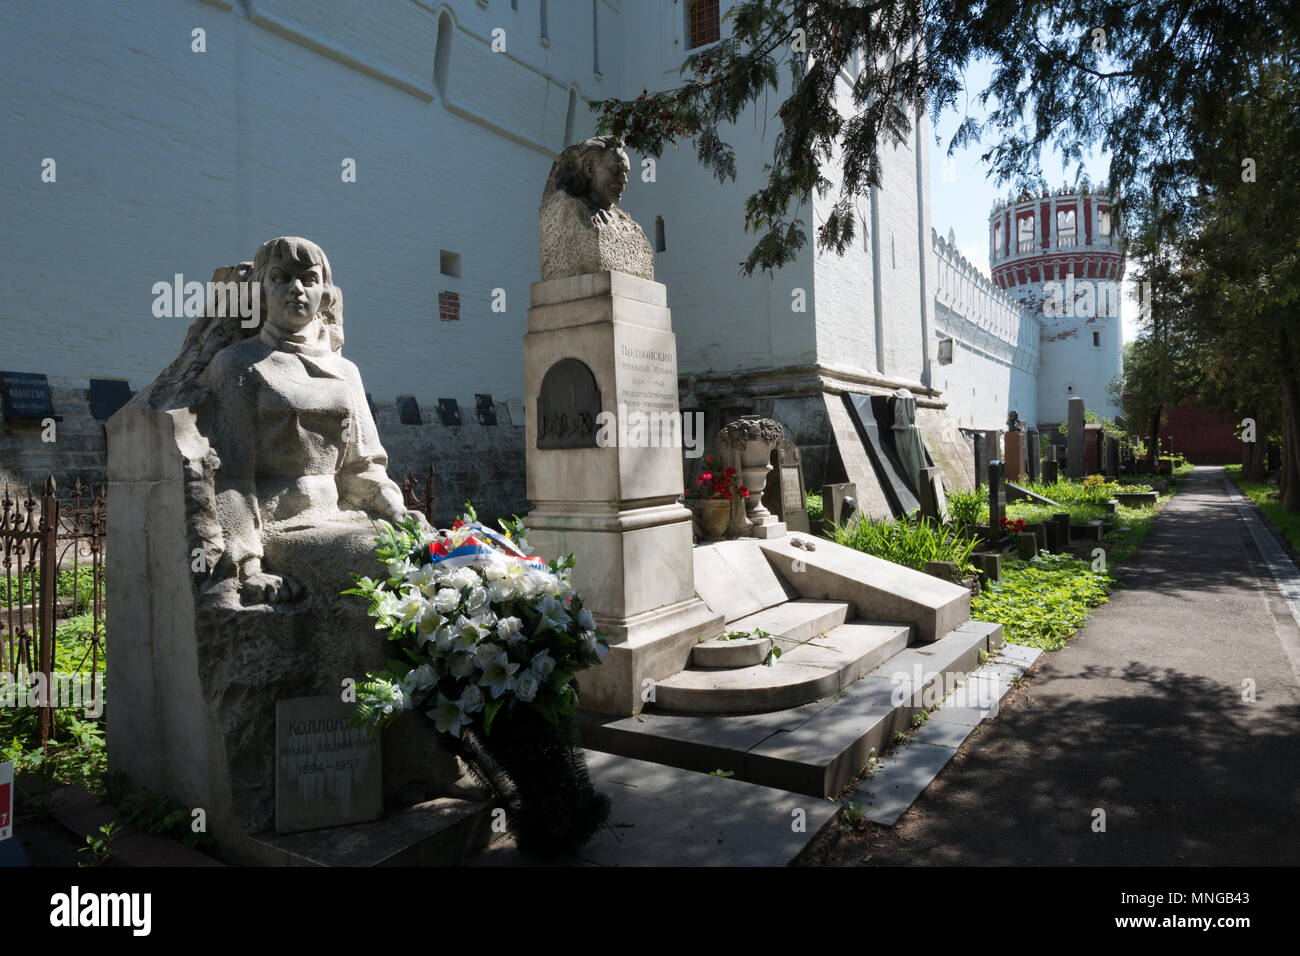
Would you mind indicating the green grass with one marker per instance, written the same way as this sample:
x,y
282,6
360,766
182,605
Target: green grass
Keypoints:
x,y
1043,601
1258,492
907,542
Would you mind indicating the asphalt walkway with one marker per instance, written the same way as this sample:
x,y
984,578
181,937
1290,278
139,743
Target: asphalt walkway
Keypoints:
x,y
1175,712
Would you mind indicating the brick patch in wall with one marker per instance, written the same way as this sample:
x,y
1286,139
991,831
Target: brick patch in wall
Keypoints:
x,y
449,306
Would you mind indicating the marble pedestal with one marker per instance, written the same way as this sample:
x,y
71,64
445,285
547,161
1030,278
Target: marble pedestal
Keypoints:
x,y
611,497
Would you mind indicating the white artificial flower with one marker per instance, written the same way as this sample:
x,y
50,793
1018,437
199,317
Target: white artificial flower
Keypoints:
x,y
400,567
499,675
386,606
420,679
477,599
527,685
553,611
486,653
462,665
463,578
495,571
420,577
590,645
509,630
447,716
427,624
446,600
542,664
500,592
444,637
409,607
468,633
471,699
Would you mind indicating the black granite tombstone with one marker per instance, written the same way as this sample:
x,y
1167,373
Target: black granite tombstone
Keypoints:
x,y
1035,456
997,495
981,459
784,493
26,397
107,395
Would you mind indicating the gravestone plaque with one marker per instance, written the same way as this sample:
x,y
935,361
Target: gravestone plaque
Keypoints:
x,y
934,503
1014,442
784,493
567,406
981,459
1050,471
1034,455
486,409
833,501
449,411
327,773
408,410
107,395
997,495
1075,440
1093,436
26,396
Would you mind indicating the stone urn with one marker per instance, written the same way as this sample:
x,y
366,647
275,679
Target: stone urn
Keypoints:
x,y
749,443
715,515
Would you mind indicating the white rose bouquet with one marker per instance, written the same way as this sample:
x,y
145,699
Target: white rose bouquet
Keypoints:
x,y
482,627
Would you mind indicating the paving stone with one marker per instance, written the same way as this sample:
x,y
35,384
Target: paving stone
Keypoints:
x,y
941,733
886,794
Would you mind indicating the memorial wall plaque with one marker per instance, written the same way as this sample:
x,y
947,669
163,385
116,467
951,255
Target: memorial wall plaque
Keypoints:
x,y
327,772
26,396
784,494
567,406
449,412
408,410
486,409
107,395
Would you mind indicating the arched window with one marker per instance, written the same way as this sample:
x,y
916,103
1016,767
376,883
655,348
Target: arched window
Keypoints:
x,y
661,244
997,239
442,54
1025,233
702,23
1067,228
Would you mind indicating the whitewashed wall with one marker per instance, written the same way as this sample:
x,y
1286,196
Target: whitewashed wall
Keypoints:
x,y
996,344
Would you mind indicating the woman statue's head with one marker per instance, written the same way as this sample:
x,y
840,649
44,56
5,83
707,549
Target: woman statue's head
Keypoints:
x,y
595,170
293,275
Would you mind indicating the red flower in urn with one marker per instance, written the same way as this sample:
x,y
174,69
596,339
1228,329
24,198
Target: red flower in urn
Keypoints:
x,y
712,484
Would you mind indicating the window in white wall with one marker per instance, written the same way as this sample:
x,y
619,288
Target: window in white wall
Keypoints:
x,y
1103,224
1096,340
997,239
595,37
449,263
660,242
546,33
569,117
442,53
1066,228
1025,233
702,23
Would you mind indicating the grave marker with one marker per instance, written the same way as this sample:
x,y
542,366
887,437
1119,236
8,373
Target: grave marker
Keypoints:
x,y
1035,456
981,444
327,773
107,395
997,496
567,405
26,396
784,493
1075,440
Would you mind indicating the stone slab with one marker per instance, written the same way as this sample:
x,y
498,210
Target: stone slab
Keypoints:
x,y
886,794
327,773
941,734
888,469
797,620
663,816
858,468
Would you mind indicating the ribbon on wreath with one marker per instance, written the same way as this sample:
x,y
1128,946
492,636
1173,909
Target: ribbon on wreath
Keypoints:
x,y
481,545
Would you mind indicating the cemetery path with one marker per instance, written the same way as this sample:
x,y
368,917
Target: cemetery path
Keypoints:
x,y
1142,716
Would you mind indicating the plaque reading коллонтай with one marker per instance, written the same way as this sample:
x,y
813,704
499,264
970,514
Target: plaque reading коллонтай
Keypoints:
x,y
327,772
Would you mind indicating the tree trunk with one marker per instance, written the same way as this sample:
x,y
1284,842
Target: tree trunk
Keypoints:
x,y
1153,447
1288,481
1252,452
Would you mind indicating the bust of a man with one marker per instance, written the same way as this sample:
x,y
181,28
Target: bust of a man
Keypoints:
x,y
581,229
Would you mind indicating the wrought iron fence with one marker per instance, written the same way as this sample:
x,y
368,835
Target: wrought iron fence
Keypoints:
x,y
61,535
415,501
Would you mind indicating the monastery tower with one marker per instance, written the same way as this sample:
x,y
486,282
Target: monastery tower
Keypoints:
x,y
1059,254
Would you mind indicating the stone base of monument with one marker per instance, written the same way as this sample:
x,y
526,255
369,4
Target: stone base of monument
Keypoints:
x,y
441,832
767,528
605,474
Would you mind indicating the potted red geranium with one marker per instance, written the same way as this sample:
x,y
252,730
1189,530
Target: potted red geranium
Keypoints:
x,y
712,495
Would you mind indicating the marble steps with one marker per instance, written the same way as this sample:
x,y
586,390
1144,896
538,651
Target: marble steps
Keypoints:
x,y
808,668
815,748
